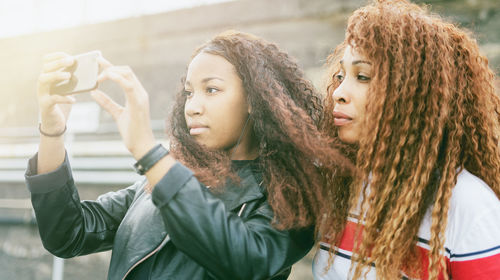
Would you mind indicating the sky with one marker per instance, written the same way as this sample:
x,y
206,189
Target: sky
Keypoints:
x,y
18,17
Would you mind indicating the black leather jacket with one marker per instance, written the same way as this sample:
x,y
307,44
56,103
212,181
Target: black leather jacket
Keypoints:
x,y
192,233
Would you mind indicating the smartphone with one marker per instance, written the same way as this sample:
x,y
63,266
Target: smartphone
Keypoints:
x,y
84,74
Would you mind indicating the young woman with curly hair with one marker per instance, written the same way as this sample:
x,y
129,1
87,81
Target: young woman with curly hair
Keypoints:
x,y
415,100
223,204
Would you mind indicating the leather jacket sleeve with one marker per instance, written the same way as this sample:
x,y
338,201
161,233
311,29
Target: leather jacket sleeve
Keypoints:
x,y
229,246
74,228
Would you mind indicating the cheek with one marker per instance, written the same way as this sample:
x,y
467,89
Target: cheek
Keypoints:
x,y
184,112
361,101
228,128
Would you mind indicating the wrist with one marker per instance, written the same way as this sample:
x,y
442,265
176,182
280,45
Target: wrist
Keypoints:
x,y
140,150
49,131
139,146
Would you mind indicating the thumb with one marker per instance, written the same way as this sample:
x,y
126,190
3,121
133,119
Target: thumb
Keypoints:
x,y
107,103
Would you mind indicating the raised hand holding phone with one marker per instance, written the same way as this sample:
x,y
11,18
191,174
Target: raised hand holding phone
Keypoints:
x,y
54,109
63,75
133,119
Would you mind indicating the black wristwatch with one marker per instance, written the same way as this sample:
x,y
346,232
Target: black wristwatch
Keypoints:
x,y
150,159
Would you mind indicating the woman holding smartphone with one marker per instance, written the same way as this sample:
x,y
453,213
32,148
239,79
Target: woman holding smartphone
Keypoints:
x,y
415,99
232,199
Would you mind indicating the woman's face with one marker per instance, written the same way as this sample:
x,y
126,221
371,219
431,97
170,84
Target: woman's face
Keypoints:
x,y
351,96
216,107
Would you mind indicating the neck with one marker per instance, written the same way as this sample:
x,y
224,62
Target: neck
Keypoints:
x,y
247,148
244,153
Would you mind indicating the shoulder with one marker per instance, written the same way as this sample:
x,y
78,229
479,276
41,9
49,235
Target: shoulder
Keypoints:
x,y
473,231
473,196
474,215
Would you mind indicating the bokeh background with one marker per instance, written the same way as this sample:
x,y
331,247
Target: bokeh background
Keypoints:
x,y
156,38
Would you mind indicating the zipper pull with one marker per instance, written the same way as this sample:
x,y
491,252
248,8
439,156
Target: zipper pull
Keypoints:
x,y
241,209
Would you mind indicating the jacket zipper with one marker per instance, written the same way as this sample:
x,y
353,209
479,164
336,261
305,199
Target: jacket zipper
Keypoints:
x,y
167,238
162,244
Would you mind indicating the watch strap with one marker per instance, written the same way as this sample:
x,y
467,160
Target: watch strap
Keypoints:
x,y
147,161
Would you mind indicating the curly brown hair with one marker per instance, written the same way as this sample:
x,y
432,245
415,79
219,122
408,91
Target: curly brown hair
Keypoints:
x,y
285,111
432,111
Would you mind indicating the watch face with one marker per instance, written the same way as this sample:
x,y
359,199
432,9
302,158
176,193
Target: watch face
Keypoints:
x,y
139,168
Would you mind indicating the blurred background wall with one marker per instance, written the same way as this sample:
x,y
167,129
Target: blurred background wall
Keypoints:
x,y
158,48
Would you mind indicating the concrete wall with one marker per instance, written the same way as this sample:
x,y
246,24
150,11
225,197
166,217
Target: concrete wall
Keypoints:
x,y
158,47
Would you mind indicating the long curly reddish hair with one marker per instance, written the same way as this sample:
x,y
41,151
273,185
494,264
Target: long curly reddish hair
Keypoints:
x,y
285,111
432,111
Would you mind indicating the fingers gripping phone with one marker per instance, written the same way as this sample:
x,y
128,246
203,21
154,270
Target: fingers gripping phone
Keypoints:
x,y
84,74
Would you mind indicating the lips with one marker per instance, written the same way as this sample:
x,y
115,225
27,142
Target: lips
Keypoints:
x,y
341,119
196,129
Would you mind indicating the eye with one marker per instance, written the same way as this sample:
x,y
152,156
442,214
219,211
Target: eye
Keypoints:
x,y
363,78
339,77
212,90
187,93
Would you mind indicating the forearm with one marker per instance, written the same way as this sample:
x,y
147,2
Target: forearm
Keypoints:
x,y
231,246
70,228
67,226
204,228
51,153
227,245
60,222
57,207
158,171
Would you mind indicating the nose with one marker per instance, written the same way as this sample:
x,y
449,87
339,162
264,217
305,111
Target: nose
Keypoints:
x,y
341,93
194,105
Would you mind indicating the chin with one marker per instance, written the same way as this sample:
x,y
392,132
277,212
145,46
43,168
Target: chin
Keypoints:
x,y
209,145
200,141
348,138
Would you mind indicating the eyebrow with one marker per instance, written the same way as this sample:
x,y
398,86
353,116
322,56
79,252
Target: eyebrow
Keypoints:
x,y
206,80
357,62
